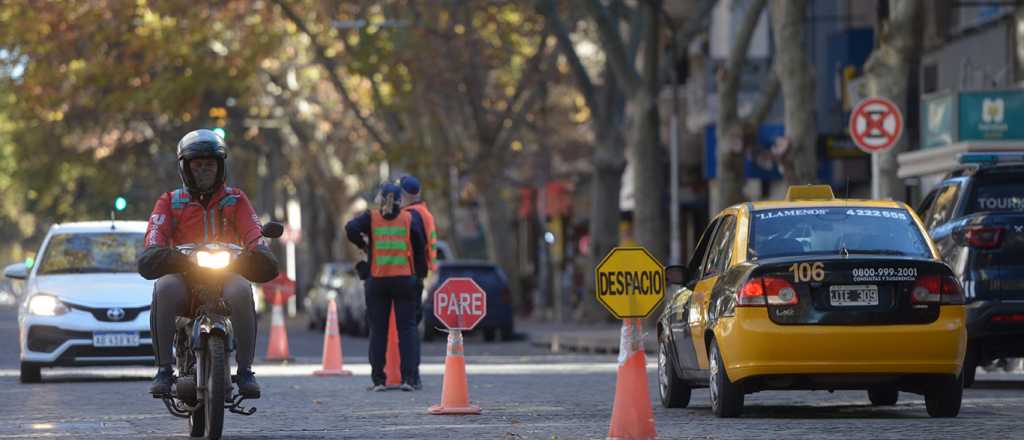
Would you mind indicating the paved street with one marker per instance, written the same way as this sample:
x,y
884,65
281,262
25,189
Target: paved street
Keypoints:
x,y
525,392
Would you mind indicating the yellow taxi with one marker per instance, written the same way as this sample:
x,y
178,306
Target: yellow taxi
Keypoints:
x,y
813,293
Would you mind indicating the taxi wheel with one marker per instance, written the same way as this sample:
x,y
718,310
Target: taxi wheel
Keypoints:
x,y
726,397
883,396
30,373
674,392
944,397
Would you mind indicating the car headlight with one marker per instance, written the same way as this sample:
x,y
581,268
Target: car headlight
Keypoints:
x,y
213,260
46,305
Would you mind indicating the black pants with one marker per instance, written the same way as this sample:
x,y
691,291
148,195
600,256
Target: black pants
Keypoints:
x,y
380,294
170,298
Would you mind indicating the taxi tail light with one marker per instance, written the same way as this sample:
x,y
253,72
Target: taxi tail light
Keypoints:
x,y
983,237
935,289
767,290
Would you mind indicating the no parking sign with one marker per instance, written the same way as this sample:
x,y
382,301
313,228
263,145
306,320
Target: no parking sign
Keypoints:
x,y
876,124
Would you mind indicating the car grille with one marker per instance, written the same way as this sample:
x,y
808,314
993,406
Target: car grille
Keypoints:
x,y
45,338
100,313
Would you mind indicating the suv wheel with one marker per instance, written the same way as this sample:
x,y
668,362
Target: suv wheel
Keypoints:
x,y
30,373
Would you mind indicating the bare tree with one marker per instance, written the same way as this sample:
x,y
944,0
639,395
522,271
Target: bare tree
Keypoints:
x,y
888,70
797,155
730,129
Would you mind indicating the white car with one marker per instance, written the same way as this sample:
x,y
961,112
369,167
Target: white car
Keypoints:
x,y
85,302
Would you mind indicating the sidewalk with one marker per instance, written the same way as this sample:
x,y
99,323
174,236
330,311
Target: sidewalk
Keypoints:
x,y
600,337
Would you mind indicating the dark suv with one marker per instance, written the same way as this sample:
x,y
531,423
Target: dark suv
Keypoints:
x,y
976,217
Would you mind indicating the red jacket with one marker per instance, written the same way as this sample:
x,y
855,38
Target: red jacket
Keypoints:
x,y
227,218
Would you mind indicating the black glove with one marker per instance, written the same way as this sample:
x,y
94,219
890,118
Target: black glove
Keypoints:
x,y
258,265
363,270
156,262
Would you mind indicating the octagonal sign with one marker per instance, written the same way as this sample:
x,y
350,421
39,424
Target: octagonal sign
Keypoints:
x,y
460,303
630,282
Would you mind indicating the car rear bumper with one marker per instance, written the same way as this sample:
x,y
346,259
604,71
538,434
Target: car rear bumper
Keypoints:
x,y
67,340
752,345
992,338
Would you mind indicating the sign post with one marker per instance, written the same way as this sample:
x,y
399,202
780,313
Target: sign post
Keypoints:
x,y
631,284
876,124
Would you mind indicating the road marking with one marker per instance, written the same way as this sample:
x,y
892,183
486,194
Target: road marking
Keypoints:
x,y
293,370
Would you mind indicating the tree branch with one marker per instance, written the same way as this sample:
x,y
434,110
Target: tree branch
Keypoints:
x,y
728,80
331,67
614,48
583,81
764,104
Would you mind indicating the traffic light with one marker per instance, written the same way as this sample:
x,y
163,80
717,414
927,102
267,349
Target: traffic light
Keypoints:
x,y
120,203
219,115
29,262
220,132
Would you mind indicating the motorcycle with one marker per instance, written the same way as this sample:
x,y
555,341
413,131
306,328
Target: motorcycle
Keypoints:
x,y
204,341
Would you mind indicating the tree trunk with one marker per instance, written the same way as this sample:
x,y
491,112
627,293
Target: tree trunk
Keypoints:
x,y
889,70
609,164
650,219
799,161
498,225
727,187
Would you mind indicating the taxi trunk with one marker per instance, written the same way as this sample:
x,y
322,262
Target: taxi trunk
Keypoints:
x,y
845,315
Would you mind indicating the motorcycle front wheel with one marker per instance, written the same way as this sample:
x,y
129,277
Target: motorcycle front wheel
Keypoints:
x,y
216,372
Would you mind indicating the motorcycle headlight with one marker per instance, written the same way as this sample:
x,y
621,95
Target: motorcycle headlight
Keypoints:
x,y
46,305
213,260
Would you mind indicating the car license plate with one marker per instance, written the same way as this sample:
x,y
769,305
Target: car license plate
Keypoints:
x,y
861,295
115,339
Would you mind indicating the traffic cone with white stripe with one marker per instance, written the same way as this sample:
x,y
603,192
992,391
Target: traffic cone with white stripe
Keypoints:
x,y
277,346
455,390
333,365
632,414
393,360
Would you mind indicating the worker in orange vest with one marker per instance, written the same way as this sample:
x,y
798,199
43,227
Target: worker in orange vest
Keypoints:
x,y
412,201
396,250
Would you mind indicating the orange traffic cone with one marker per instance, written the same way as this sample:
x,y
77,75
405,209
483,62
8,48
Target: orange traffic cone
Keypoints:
x,y
277,346
455,390
393,361
332,364
632,415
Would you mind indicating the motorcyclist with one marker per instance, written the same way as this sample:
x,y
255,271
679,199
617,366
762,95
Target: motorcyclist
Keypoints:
x,y
205,209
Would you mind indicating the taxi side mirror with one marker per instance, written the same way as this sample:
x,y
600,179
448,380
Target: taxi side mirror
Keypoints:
x,y
16,271
677,274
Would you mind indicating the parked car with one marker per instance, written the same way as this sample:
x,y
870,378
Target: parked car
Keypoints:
x,y
500,317
85,302
338,280
976,218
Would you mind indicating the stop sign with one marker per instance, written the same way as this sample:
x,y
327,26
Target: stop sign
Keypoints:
x,y
460,304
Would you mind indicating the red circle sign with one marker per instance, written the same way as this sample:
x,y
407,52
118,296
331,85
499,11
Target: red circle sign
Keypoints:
x,y
460,304
875,124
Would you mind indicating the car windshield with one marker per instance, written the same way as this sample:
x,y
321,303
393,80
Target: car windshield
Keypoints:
x,y
830,230
92,253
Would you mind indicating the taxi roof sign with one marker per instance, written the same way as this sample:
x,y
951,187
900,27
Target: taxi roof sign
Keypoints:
x,y
809,192
630,282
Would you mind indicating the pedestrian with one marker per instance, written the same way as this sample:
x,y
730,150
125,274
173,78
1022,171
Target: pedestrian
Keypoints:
x,y
412,201
396,251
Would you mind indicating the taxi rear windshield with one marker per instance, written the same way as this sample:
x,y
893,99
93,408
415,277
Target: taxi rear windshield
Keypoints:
x,y
830,230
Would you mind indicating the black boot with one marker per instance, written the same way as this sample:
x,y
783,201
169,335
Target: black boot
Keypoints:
x,y
247,385
162,382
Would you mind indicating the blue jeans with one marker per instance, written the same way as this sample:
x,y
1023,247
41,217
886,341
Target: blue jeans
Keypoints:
x,y
381,293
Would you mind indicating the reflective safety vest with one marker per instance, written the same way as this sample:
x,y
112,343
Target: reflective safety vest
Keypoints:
x,y
430,228
392,247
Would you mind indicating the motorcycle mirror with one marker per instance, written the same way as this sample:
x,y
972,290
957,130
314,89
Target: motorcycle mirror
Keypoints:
x,y
272,230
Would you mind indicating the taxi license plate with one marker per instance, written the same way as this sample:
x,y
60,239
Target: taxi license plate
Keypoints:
x,y
115,339
842,296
